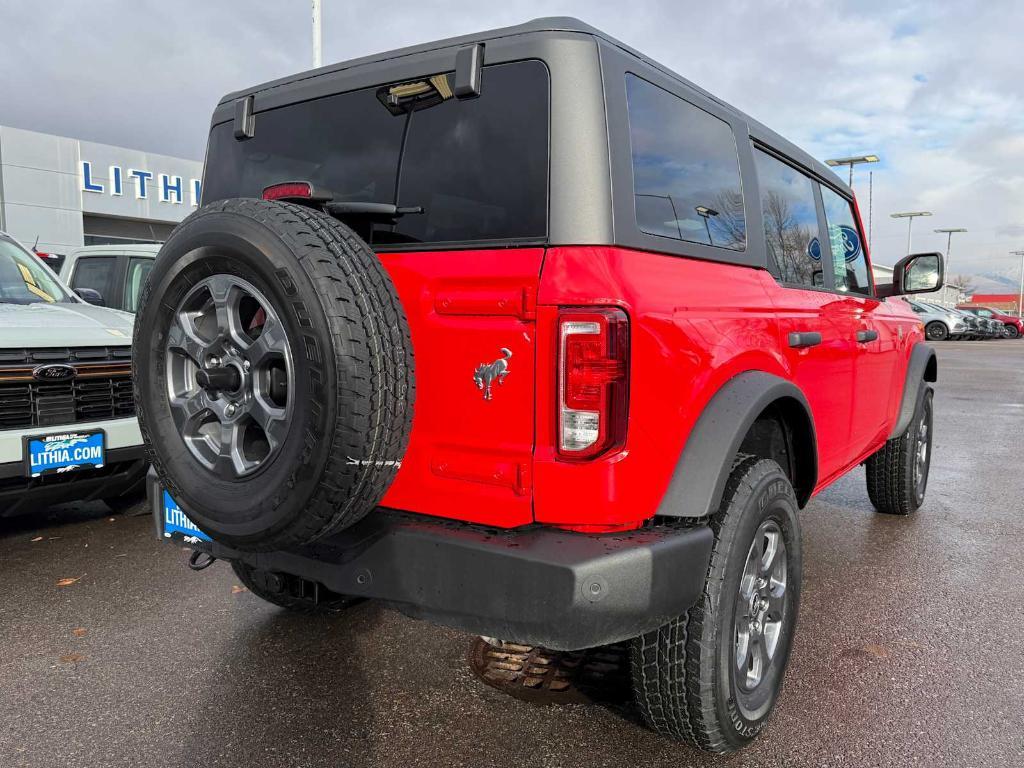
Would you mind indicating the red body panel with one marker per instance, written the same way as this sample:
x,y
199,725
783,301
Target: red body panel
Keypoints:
x,y
469,458
694,325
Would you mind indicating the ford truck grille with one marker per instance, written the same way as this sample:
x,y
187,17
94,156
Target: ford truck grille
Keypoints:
x,y
101,388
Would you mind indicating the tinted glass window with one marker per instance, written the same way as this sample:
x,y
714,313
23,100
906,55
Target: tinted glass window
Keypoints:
x,y
135,279
98,273
686,177
848,259
790,216
478,167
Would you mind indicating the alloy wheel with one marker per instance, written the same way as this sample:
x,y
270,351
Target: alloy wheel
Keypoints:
x,y
761,605
229,376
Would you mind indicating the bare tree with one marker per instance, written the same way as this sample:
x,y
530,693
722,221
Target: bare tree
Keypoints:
x,y
966,282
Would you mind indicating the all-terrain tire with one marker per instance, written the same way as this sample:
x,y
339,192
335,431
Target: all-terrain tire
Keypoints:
x,y
936,331
276,590
685,674
351,390
897,475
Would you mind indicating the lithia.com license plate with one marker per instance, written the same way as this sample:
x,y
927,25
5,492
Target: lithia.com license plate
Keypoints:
x,y
63,452
176,522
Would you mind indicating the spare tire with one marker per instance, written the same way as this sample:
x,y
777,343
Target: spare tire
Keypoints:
x,y
273,373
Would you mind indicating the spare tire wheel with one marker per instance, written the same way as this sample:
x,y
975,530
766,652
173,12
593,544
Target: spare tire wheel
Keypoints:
x,y
273,373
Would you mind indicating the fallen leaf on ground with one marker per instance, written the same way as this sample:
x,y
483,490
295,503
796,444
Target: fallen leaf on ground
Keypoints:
x,y
877,651
236,589
37,538
71,658
67,582
79,631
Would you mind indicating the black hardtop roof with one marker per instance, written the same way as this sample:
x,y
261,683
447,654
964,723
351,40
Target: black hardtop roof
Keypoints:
x,y
550,24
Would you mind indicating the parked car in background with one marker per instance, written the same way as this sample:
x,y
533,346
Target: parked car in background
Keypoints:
x,y
939,323
116,272
975,328
1014,325
67,414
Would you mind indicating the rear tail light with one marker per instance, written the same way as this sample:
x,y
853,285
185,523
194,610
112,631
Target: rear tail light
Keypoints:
x,y
593,381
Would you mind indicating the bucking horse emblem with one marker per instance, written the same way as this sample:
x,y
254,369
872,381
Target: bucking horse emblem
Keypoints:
x,y
487,374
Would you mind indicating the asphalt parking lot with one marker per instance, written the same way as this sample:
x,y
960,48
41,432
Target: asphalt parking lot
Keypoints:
x,y
910,648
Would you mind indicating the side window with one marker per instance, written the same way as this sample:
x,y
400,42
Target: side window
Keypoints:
x,y
686,176
135,279
790,217
984,313
848,259
96,272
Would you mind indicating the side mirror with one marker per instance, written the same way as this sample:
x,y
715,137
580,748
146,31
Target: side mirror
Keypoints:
x,y
917,273
90,295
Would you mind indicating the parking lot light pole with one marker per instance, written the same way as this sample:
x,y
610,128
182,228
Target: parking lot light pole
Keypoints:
x,y
949,231
318,34
910,216
836,162
1020,295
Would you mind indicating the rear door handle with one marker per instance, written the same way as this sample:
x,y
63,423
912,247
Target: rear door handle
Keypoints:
x,y
863,337
802,339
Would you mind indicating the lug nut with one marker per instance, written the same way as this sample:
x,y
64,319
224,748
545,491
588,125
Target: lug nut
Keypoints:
x,y
246,365
214,362
230,410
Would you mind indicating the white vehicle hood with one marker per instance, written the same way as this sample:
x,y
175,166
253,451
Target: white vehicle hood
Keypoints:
x,y
63,325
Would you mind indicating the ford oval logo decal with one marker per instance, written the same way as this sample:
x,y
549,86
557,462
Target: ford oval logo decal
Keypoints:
x,y
54,372
851,243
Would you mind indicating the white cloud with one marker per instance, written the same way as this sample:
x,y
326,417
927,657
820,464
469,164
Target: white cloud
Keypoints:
x,y
934,88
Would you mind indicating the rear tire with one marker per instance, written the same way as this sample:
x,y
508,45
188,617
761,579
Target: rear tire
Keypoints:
x,y
279,590
694,678
937,331
1011,331
897,475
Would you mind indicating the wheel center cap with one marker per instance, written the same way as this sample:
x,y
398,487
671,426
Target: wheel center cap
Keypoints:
x,y
226,378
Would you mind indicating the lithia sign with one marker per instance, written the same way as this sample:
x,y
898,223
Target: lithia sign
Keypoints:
x,y
162,186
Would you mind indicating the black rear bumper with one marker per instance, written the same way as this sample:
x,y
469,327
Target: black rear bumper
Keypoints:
x,y
535,585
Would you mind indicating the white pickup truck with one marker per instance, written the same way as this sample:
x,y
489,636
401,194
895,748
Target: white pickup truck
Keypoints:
x,y
67,415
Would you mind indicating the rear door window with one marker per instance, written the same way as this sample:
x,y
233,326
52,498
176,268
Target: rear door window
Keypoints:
x,y
478,167
848,258
790,215
98,273
686,175
135,279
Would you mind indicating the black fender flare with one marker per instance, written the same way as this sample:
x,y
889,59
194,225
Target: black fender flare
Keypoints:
x,y
706,461
922,369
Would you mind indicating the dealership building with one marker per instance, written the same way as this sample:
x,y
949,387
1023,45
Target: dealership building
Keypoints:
x,y
60,193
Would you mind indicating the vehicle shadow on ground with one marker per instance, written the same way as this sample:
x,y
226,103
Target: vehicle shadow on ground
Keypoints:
x,y
291,688
61,515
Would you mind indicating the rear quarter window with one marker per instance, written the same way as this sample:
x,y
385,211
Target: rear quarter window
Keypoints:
x,y
478,167
686,175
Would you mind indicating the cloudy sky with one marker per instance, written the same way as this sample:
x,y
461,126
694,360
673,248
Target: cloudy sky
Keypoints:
x,y
936,88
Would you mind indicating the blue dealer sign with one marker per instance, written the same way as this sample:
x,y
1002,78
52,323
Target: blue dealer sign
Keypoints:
x,y
165,187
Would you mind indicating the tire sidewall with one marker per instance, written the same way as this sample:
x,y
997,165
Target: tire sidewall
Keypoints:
x,y
772,498
229,243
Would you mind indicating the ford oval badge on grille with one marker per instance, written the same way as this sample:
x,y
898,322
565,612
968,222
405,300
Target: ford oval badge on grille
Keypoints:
x,y
54,372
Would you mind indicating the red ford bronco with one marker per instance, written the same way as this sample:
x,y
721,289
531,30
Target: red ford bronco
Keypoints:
x,y
524,334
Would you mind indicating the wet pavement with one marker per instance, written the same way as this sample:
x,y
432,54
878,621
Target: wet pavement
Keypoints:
x,y
910,647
